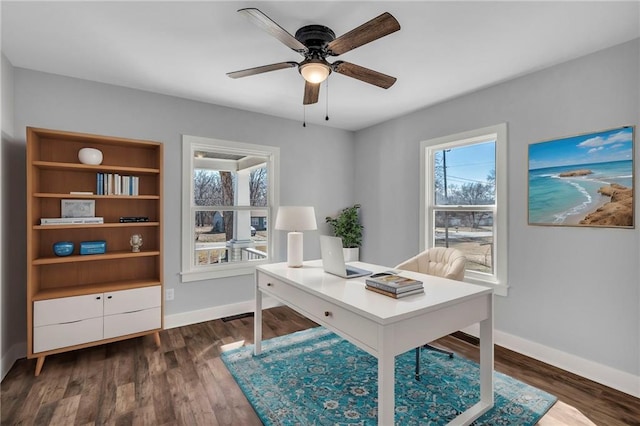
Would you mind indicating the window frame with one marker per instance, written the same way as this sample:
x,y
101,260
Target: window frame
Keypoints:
x,y
497,280
189,271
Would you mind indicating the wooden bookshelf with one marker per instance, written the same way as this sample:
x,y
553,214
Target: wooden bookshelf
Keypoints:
x,y
119,291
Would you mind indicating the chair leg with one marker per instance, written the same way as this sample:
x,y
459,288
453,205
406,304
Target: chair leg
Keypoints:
x,y
418,363
442,351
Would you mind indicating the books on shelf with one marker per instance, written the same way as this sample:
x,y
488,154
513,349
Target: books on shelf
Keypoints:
x,y
71,220
393,285
116,184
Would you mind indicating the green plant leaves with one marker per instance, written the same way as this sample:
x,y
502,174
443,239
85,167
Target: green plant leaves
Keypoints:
x,y
347,226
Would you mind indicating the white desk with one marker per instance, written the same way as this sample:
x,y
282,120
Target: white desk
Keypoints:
x,y
383,326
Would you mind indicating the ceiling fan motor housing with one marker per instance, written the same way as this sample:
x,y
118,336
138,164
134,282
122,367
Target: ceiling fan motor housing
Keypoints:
x,y
315,37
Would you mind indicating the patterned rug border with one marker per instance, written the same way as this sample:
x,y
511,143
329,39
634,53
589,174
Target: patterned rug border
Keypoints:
x,y
277,350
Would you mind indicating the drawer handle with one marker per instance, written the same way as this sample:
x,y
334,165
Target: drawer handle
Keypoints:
x,y
98,298
327,313
109,297
269,284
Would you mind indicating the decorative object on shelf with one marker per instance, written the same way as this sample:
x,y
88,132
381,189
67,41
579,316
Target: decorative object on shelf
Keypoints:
x,y
347,226
77,208
295,219
93,247
130,219
583,180
63,248
136,242
90,156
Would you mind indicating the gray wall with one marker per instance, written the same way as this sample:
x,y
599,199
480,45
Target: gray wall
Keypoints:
x,y
315,164
572,289
11,338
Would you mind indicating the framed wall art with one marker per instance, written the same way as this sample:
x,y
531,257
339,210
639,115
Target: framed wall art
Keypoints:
x,y
583,180
77,208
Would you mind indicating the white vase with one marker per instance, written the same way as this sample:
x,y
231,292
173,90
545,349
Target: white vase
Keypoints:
x,y
351,254
90,156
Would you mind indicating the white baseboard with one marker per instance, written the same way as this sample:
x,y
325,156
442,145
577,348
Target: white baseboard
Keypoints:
x,y
15,352
209,314
608,376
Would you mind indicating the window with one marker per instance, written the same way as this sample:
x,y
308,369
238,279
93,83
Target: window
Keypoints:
x,y
229,193
464,205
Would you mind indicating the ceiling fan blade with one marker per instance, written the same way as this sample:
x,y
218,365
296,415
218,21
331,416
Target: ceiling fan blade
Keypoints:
x,y
363,74
311,93
260,70
376,28
269,25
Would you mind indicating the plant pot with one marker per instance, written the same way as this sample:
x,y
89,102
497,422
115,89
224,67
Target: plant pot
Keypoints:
x,y
351,254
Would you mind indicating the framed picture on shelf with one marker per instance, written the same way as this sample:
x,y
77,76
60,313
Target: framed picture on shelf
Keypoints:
x,y
77,208
583,180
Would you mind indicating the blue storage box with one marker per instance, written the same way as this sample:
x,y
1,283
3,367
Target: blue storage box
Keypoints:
x,y
93,247
63,248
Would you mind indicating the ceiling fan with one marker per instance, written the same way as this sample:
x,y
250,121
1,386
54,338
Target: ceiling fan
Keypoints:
x,y
315,43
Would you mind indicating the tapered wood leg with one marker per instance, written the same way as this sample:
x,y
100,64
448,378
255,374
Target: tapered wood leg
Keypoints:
x,y
39,364
156,337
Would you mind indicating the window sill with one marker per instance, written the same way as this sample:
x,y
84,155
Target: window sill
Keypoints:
x,y
498,289
191,276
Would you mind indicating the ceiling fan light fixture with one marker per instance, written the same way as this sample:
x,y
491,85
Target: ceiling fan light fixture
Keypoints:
x,y
315,71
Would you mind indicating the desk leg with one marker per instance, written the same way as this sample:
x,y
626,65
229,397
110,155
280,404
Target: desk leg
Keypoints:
x,y
386,387
486,357
257,322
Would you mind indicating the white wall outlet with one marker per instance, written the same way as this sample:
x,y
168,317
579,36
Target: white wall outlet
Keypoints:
x,y
168,294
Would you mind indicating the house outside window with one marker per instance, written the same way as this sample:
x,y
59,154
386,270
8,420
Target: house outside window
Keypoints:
x,y
464,205
229,194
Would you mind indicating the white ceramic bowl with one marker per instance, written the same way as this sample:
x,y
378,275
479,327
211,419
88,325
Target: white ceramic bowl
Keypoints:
x,y
90,156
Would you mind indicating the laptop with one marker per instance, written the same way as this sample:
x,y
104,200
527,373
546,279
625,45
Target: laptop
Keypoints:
x,y
333,259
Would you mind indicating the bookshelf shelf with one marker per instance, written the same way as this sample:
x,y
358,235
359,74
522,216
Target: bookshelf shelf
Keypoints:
x,y
98,225
93,257
95,196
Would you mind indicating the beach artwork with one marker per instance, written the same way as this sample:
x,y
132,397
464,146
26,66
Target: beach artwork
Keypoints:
x,y
584,180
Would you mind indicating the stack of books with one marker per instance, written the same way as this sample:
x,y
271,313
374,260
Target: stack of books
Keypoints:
x,y
393,285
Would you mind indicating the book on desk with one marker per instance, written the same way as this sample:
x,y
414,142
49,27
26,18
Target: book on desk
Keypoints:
x,y
393,285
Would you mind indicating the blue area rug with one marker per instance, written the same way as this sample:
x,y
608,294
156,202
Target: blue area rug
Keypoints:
x,y
314,377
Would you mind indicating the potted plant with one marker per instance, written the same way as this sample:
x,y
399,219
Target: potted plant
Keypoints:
x,y
347,226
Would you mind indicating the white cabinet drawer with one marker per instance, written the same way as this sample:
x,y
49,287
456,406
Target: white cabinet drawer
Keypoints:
x,y
56,336
322,311
132,322
136,299
67,309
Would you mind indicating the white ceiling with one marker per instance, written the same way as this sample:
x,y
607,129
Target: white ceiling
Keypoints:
x,y
184,49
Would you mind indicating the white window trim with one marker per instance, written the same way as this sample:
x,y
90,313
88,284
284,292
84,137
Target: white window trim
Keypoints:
x,y
190,144
427,148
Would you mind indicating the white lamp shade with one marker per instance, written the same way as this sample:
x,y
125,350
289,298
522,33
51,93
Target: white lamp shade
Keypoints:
x,y
296,218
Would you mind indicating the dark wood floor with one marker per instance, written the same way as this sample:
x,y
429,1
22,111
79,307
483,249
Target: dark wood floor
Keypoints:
x,y
186,383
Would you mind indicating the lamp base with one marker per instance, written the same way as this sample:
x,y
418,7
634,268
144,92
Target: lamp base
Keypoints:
x,y
294,249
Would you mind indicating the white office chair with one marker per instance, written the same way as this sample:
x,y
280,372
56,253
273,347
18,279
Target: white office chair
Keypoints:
x,y
442,262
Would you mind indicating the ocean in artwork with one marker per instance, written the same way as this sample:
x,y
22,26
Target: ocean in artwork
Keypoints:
x,y
559,200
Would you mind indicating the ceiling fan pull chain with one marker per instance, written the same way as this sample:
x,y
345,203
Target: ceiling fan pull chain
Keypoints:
x,y
304,116
326,117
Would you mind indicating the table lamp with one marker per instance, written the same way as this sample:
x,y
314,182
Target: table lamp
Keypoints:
x,y
295,219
